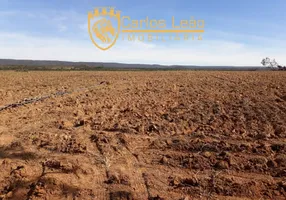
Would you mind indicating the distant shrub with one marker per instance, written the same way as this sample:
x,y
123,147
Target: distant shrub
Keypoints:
x,y
267,62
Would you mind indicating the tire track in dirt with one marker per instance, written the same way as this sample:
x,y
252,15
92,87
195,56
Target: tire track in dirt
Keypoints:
x,y
101,177
123,176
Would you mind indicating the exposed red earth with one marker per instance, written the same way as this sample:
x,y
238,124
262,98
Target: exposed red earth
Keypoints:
x,y
144,135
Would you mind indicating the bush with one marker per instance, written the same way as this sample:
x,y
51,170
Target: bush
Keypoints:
x,y
267,62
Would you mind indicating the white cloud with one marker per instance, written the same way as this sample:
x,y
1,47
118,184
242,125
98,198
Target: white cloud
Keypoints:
x,y
84,26
206,52
12,13
250,38
7,13
62,27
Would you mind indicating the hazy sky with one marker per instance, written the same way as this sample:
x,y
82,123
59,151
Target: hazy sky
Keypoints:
x,y
237,32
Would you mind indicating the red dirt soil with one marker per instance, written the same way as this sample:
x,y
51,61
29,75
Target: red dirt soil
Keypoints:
x,y
144,135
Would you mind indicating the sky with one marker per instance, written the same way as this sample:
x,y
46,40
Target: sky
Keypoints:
x,y
237,32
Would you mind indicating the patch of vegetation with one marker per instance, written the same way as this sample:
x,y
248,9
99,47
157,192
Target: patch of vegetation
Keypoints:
x,y
267,62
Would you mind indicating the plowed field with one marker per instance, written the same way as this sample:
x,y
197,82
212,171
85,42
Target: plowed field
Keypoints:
x,y
143,135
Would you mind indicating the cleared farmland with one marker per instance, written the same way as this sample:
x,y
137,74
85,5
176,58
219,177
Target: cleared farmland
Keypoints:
x,y
143,135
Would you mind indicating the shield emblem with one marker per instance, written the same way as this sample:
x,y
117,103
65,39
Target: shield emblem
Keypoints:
x,y
104,27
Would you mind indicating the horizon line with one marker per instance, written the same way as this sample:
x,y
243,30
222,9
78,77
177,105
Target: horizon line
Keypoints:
x,y
128,63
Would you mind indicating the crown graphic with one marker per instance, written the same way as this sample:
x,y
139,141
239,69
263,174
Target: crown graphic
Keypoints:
x,y
104,12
